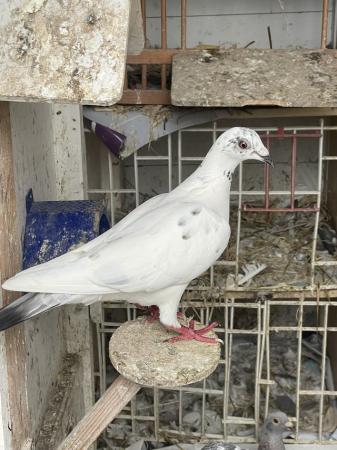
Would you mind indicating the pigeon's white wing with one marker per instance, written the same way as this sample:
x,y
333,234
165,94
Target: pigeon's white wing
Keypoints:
x,y
169,244
93,245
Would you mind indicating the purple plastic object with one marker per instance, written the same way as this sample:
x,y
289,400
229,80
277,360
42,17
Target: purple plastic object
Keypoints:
x,y
111,138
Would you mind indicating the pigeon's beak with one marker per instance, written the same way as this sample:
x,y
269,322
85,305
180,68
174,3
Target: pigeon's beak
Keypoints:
x,y
267,159
262,154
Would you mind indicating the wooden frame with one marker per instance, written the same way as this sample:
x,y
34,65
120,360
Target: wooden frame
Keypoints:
x,y
15,351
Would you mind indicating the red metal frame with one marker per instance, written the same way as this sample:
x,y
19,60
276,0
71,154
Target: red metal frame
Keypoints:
x,y
281,134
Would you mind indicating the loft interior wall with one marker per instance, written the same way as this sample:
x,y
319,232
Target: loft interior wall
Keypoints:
x,y
293,24
35,168
47,141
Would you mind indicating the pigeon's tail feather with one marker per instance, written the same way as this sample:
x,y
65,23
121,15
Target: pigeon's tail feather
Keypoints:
x,y
26,307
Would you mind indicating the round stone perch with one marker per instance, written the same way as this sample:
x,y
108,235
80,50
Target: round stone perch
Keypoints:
x,y
140,352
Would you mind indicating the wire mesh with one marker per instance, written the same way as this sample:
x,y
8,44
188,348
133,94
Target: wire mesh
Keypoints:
x,y
160,415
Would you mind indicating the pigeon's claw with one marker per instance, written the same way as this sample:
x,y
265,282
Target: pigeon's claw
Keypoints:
x,y
189,333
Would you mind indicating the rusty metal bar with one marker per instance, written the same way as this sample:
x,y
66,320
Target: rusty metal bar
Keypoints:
x,y
143,6
325,20
144,77
248,208
163,24
319,199
267,178
163,41
183,23
144,68
293,170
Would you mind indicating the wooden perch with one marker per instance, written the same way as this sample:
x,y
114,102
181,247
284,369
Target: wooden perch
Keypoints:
x,y
102,413
140,352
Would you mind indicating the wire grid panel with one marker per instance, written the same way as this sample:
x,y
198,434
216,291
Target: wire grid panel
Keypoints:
x,y
260,338
293,134
289,135
233,425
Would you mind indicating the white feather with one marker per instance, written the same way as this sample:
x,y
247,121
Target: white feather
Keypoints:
x,y
153,253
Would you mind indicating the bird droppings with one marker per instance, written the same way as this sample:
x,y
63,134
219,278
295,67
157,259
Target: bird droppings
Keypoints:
x,y
186,237
91,19
140,352
48,37
182,222
242,77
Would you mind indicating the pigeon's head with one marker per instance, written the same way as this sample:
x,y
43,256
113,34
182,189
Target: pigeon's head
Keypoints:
x,y
243,143
278,422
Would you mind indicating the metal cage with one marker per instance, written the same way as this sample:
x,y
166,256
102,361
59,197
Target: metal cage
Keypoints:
x,y
265,319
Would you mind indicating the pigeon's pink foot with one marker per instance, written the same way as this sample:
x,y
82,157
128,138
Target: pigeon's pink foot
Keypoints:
x,y
190,333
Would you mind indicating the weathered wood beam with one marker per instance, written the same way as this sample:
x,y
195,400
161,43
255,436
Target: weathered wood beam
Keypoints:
x,y
58,418
10,251
153,56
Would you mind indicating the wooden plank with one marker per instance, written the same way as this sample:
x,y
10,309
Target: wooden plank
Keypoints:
x,y
10,252
136,40
71,184
243,77
325,21
115,398
250,112
58,418
74,53
146,97
153,56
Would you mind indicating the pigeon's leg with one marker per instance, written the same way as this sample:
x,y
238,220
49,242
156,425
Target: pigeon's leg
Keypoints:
x,y
154,313
190,333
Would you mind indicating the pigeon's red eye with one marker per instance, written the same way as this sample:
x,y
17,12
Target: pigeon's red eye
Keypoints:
x,y
243,144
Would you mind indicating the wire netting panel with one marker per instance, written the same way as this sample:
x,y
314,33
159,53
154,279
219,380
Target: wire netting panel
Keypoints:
x,y
269,291
274,357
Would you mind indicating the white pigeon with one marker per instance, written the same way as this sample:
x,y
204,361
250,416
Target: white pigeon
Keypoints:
x,y
150,256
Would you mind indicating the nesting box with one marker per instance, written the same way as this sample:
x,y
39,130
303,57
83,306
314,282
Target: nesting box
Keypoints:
x,y
55,227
